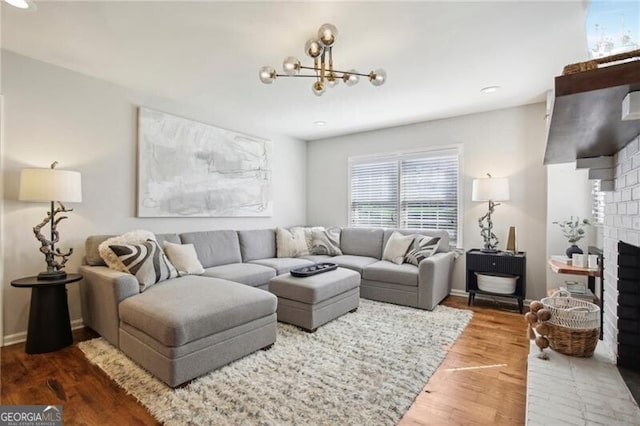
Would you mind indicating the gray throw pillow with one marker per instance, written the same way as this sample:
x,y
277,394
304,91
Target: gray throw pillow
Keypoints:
x,y
146,261
423,247
325,241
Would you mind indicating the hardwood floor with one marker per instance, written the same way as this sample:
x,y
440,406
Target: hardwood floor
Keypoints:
x,y
459,393
456,395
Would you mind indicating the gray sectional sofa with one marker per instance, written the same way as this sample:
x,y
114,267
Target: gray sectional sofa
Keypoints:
x,y
184,327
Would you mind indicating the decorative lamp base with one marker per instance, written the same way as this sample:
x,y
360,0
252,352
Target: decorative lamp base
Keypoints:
x,y
489,250
50,276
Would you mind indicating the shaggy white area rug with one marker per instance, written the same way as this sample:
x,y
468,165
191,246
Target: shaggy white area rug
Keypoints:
x,y
364,368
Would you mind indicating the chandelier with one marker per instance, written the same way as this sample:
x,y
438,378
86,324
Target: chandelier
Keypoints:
x,y
321,50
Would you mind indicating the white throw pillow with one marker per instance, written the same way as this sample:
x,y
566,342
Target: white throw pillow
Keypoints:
x,y
146,261
291,242
184,258
397,246
133,237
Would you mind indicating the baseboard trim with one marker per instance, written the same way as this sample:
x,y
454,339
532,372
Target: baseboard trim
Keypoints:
x,y
15,338
462,293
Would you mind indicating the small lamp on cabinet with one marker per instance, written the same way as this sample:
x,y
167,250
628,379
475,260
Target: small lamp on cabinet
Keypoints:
x,y
489,189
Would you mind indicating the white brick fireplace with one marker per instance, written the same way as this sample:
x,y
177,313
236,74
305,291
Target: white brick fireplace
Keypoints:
x,y
621,223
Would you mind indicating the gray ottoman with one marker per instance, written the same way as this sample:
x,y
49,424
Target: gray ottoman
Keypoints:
x,y
310,302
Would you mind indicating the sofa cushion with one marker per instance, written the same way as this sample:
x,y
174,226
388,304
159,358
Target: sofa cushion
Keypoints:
x,y
443,247
316,288
214,247
169,238
356,263
92,254
318,258
146,261
362,242
397,247
388,272
422,247
245,273
183,257
186,309
257,244
291,242
282,265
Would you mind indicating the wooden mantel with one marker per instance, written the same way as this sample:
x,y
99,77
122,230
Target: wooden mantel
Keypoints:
x,y
586,117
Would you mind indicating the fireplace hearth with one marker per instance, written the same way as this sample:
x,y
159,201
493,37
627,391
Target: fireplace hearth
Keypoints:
x,y
628,306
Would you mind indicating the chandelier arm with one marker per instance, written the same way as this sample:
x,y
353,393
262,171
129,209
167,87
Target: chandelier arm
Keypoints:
x,y
331,59
335,71
297,75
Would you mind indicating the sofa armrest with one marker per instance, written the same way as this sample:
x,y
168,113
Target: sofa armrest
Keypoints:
x,y
101,291
434,279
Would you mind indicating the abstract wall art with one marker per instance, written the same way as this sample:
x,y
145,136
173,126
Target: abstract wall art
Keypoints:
x,y
191,169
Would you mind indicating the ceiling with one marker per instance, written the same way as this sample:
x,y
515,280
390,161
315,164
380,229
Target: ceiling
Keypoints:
x,y
438,55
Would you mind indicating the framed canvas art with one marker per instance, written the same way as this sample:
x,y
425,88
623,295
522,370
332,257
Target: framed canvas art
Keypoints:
x,y
191,169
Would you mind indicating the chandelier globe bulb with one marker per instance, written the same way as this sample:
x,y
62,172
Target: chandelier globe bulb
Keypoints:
x,y
291,65
332,80
313,48
378,77
267,74
318,88
327,34
351,78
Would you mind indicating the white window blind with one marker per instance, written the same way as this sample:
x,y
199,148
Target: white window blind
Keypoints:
x,y
374,194
429,194
598,203
413,191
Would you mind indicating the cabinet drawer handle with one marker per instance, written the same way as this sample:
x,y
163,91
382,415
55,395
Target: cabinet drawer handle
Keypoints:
x,y
493,264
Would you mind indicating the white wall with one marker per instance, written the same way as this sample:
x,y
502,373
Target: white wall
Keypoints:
x,y
568,194
506,143
89,125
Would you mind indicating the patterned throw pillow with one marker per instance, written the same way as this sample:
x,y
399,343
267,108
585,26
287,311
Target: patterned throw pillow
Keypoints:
x,y
325,241
146,261
291,242
132,237
397,247
423,247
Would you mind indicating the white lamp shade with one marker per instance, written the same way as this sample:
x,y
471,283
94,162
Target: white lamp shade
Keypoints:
x,y
494,189
50,185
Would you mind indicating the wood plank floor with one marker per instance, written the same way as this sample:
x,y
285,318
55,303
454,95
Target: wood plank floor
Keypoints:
x,y
455,395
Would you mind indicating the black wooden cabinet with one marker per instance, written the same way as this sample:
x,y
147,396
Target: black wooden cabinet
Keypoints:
x,y
500,263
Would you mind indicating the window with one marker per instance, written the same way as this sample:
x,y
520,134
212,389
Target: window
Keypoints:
x,y
598,203
413,191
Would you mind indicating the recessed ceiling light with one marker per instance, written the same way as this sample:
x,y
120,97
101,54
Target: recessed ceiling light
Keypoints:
x,y
489,89
20,4
320,123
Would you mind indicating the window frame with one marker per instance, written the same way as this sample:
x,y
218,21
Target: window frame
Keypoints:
x,y
398,157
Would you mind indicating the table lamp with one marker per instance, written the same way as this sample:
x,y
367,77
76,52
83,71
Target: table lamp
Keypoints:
x,y
489,189
53,186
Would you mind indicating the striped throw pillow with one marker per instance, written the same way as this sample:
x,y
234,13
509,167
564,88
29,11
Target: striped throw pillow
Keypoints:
x,y
146,261
422,248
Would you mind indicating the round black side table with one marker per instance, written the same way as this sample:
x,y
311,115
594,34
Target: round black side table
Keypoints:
x,y
49,324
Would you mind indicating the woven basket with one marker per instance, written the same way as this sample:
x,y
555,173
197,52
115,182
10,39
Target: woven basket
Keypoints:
x,y
574,326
